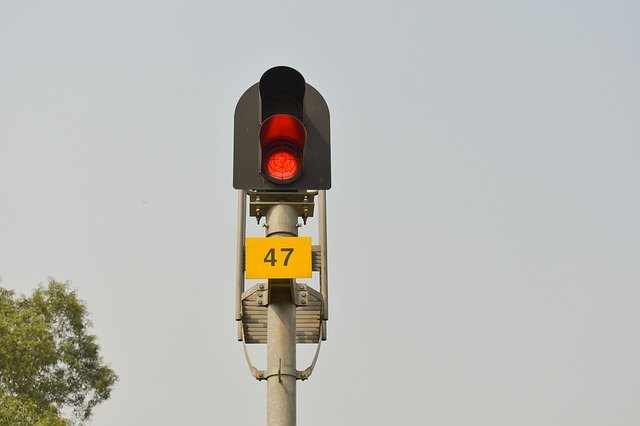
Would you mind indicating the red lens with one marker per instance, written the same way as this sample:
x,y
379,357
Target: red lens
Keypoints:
x,y
282,163
282,128
282,139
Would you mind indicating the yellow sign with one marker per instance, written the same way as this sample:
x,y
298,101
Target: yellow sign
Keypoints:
x,y
286,257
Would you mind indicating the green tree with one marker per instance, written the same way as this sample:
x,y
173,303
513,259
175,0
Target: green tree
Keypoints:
x,y
49,363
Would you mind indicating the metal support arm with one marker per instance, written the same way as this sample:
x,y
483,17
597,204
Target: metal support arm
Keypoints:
x,y
265,374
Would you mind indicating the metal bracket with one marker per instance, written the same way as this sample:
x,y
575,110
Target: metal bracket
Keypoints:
x,y
261,201
263,294
265,374
300,294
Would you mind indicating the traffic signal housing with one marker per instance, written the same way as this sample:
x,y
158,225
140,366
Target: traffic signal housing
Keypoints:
x,y
281,135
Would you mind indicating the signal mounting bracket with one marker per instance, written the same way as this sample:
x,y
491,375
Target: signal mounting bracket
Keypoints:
x,y
301,201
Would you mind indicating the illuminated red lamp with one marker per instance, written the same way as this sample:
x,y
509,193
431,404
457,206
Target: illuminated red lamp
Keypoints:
x,y
282,139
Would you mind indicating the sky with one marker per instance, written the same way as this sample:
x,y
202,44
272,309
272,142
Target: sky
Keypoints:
x,y
484,230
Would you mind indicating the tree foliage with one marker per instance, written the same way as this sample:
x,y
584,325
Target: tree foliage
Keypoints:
x,y
49,363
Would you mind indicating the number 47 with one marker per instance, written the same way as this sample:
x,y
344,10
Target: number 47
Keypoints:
x,y
270,257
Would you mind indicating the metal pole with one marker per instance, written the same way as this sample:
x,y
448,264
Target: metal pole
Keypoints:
x,y
322,234
281,221
242,206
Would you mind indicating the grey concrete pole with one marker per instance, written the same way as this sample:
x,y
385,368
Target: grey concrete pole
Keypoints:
x,y
282,221
281,356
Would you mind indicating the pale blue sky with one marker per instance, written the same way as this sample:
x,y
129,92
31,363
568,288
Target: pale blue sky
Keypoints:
x,y
484,239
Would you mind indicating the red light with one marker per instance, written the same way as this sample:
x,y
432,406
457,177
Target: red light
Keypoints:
x,y
282,163
282,139
282,128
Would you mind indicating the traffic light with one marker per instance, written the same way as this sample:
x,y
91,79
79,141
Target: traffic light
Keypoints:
x,y
281,135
